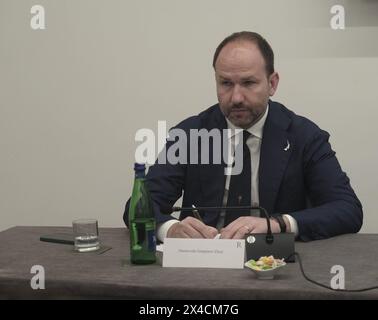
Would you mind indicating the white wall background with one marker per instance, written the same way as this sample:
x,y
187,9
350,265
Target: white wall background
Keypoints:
x,y
72,96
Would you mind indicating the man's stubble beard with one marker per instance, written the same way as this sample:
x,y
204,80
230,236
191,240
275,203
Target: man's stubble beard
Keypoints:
x,y
246,122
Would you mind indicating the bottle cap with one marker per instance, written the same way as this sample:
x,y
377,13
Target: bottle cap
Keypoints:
x,y
139,167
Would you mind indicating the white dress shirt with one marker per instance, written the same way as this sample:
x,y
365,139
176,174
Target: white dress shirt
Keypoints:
x,y
254,145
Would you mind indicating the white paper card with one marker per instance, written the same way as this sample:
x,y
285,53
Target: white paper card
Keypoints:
x,y
204,253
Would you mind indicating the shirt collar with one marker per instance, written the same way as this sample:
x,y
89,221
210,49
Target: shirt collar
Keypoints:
x,y
255,130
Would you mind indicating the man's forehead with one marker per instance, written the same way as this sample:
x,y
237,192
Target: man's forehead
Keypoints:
x,y
248,75
241,57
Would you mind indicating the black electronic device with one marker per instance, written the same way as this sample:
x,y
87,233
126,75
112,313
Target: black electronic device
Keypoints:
x,y
62,238
282,246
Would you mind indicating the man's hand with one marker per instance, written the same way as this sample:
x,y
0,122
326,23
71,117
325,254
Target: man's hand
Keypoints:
x,y
238,228
191,228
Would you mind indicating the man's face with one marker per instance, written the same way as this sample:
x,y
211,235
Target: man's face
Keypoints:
x,y
243,86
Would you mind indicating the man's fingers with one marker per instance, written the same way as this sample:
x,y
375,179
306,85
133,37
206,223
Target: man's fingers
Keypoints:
x,y
182,230
187,231
228,233
231,226
258,229
206,231
192,232
241,232
242,226
213,232
231,229
237,232
192,228
238,222
185,235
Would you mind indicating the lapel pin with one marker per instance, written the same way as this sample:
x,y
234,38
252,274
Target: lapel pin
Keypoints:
x,y
288,146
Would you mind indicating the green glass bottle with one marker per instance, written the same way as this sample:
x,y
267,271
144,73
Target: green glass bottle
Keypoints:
x,y
142,222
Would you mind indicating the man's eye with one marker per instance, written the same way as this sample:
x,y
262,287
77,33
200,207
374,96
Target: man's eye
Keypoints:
x,y
248,83
226,83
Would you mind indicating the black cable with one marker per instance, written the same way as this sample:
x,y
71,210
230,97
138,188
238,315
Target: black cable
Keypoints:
x,y
323,285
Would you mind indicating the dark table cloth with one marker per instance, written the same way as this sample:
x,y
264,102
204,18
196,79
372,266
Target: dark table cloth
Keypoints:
x,y
111,276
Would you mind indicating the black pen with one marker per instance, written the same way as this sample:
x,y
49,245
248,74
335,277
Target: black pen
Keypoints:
x,y
196,213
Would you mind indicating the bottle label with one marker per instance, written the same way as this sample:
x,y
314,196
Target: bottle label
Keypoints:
x,y
151,240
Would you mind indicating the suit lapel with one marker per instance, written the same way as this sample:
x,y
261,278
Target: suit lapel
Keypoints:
x,y
276,149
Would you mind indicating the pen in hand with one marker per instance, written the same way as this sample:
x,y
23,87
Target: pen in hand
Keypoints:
x,y
197,216
196,213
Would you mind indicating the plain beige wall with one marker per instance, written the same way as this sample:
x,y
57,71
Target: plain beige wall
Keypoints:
x,y
72,96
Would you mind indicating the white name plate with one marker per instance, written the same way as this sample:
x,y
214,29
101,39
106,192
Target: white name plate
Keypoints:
x,y
203,253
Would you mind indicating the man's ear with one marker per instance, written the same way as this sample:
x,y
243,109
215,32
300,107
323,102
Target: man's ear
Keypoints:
x,y
274,79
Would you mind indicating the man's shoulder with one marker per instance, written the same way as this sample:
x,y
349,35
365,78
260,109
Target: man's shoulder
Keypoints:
x,y
294,123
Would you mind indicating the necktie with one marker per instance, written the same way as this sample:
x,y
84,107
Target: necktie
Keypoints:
x,y
239,192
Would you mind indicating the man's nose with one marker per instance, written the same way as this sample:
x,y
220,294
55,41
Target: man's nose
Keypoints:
x,y
237,95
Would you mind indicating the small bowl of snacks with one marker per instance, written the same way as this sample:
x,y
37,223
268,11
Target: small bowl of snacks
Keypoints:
x,y
266,267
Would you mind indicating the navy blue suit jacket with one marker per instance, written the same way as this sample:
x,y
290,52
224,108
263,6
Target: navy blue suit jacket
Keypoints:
x,y
305,181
